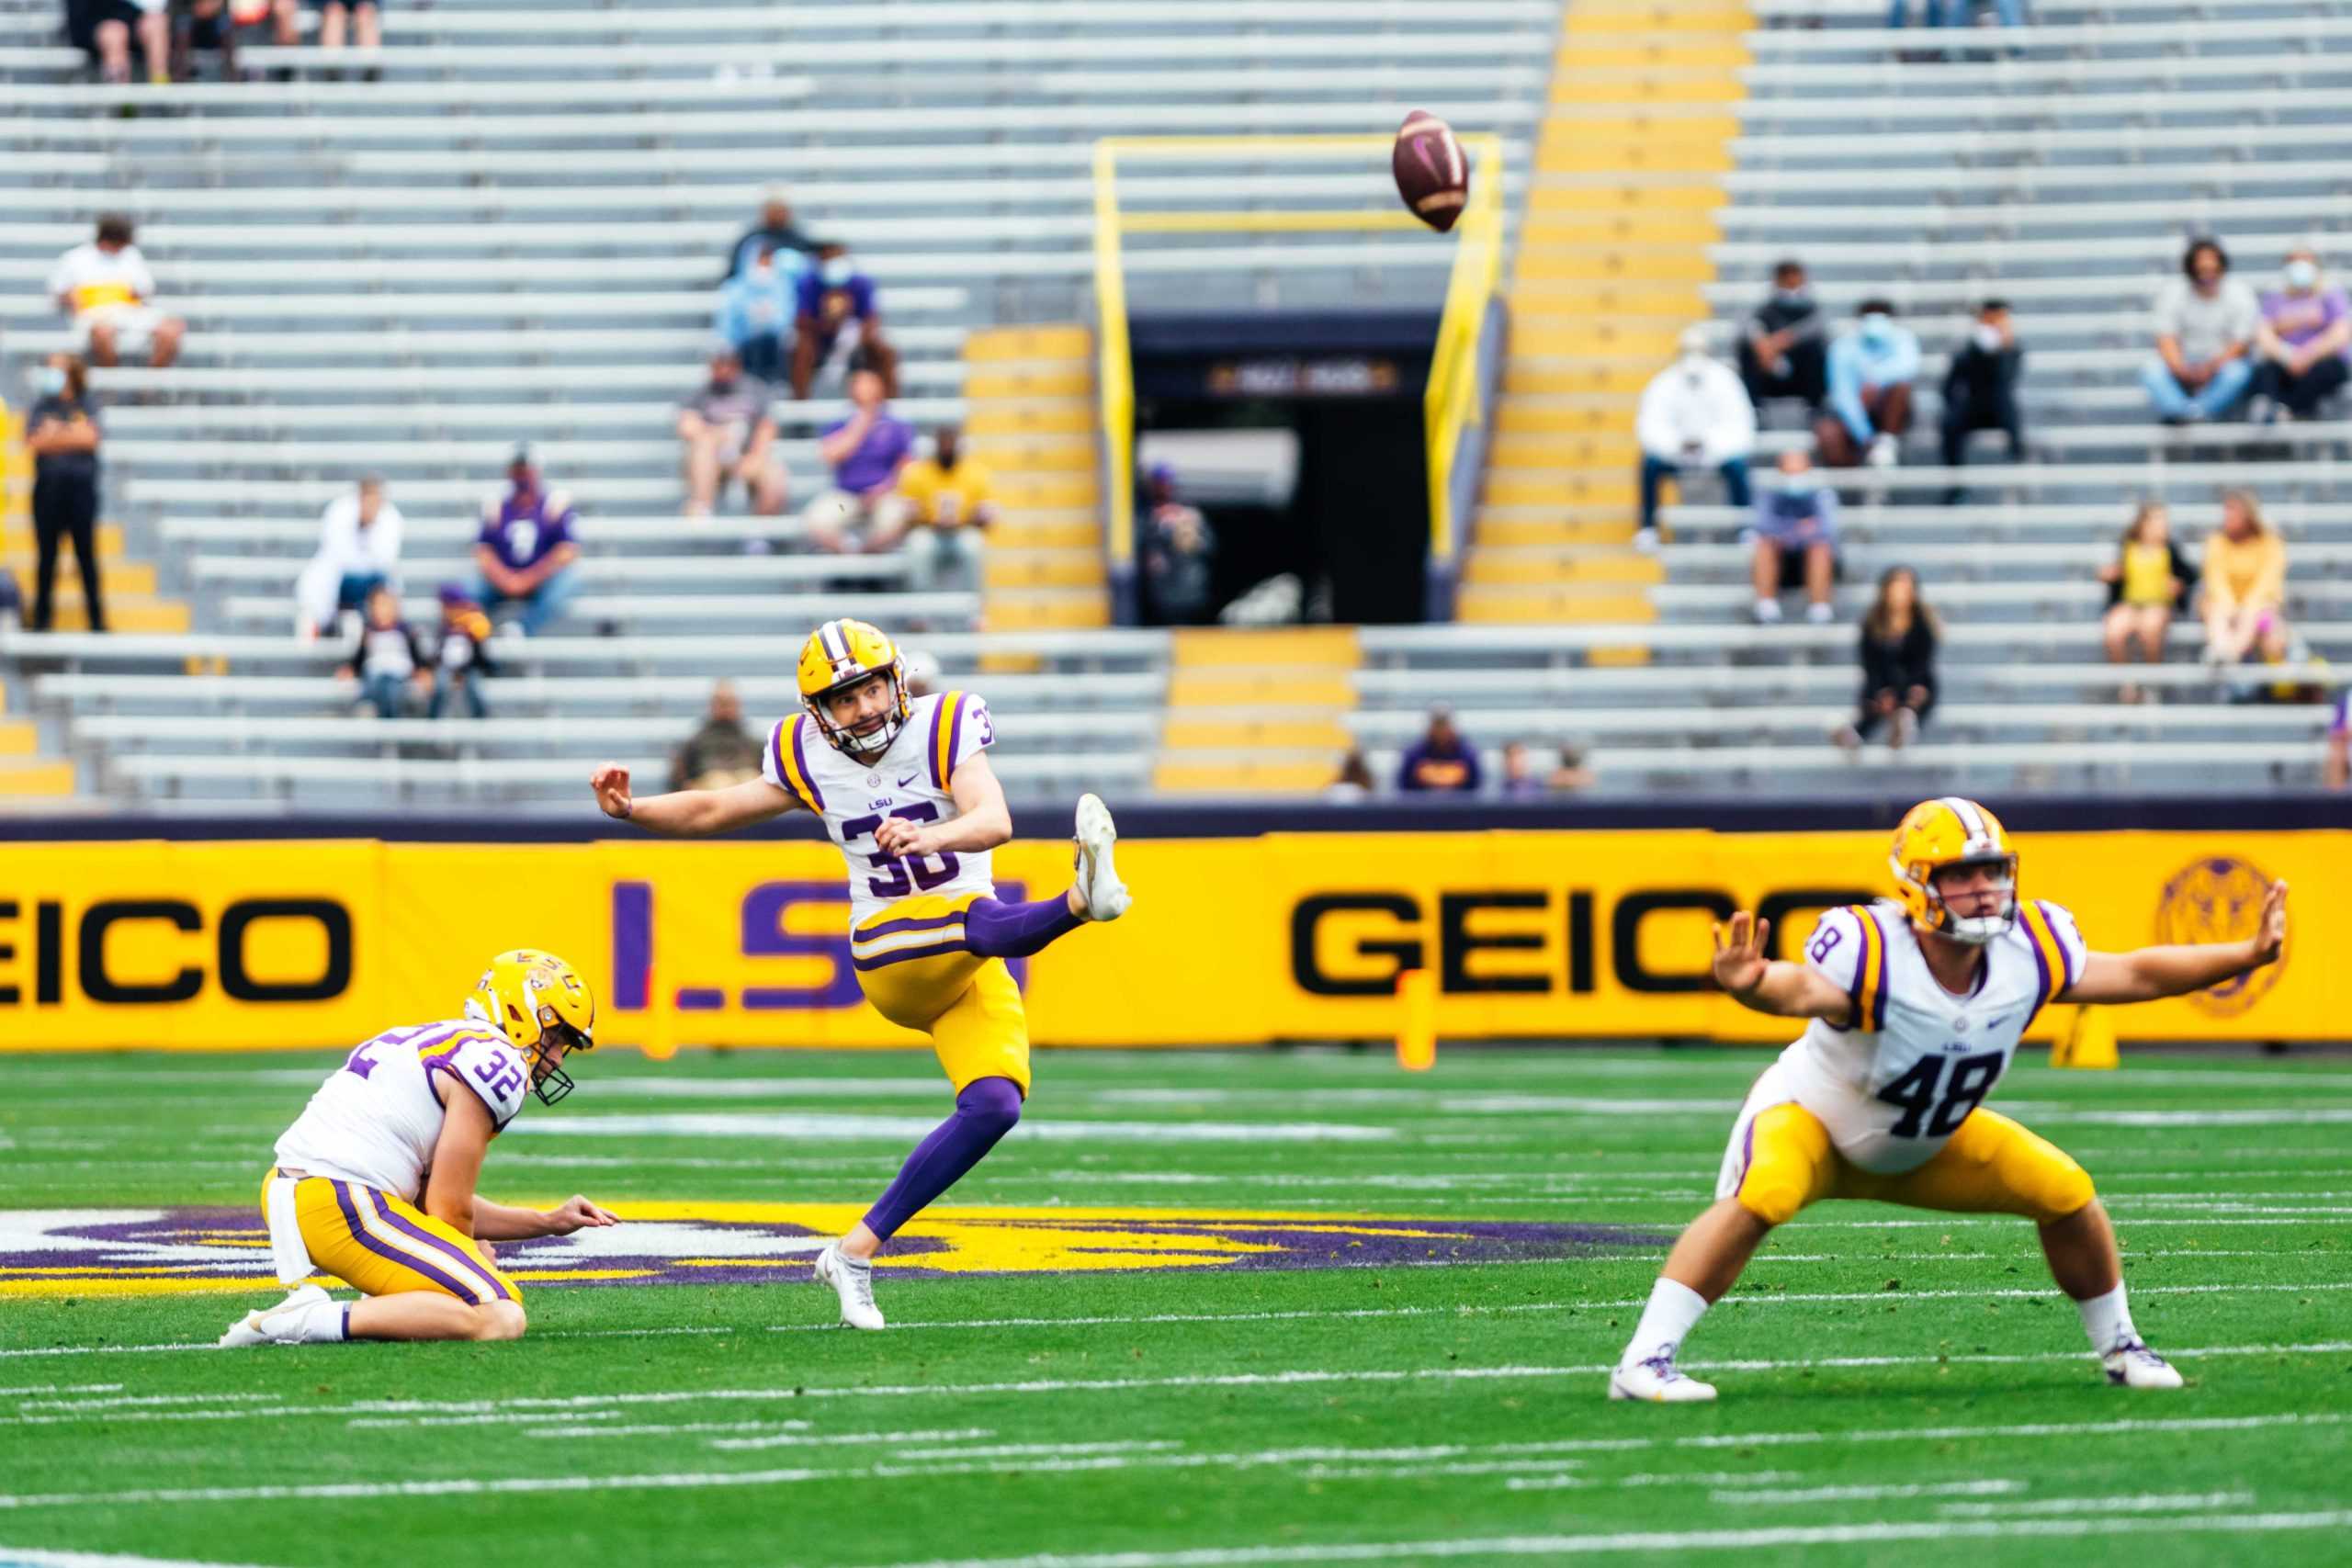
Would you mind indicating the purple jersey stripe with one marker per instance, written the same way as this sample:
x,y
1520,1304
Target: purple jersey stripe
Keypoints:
x,y
776,753
1861,965
931,746
2066,959
918,923
343,1191
938,951
801,761
954,739
1885,968
440,1065
449,1249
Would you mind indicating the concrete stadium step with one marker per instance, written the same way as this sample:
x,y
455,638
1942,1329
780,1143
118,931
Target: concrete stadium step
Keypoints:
x,y
1256,712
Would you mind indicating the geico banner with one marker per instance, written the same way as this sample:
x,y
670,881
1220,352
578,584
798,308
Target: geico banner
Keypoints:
x,y
1236,940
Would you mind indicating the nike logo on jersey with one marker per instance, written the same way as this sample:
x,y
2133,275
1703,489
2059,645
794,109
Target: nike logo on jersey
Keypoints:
x,y
910,778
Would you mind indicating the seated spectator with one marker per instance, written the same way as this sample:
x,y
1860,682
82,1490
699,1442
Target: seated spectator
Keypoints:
x,y
775,234
1981,390
2244,585
1693,414
868,452
1441,760
1783,351
386,660
2301,345
2147,584
105,286
211,27
950,504
1179,551
63,434
1796,542
464,654
1962,13
1870,372
103,30
2205,323
525,549
729,434
1354,780
1899,653
1525,779
359,549
357,21
721,753
755,307
838,323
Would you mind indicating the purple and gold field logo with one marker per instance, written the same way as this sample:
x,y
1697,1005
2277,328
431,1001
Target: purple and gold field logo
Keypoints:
x,y
167,1251
2218,898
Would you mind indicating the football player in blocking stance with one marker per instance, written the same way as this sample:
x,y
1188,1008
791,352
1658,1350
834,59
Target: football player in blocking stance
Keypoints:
x,y
375,1182
903,787
1915,1010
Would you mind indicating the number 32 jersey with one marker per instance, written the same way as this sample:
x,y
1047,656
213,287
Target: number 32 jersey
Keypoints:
x,y
376,1118
1893,1086
911,780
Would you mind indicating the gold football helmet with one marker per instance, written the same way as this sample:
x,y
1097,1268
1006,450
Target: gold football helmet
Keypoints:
x,y
841,653
534,999
1934,837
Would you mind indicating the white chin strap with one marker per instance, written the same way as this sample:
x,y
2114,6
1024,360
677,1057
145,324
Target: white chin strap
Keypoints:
x,y
1978,929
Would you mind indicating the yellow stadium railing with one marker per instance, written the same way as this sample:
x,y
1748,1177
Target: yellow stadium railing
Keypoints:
x,y
1452,403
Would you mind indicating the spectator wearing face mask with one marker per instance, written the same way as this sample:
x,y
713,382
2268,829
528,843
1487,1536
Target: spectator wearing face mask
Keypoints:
x,y
755,308
1980,389
359,549
1694,413
1796,542
1870,372
2205,323
63,434
775,234
838,320
2305,329
1783,349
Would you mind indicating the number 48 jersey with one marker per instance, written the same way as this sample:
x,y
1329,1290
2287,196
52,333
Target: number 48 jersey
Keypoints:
x,y
1898,1083
912,779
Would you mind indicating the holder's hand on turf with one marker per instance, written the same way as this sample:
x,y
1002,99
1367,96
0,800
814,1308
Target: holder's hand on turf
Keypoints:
x,y
1740,963
611,783
2270,936
576,1214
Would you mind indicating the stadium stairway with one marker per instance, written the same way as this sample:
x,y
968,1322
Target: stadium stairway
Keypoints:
x,y
1610,268
1045,555
24,773
1257,712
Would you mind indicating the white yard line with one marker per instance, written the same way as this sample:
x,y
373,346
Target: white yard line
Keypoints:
x,y
2146,1503
35,1557
1750,1493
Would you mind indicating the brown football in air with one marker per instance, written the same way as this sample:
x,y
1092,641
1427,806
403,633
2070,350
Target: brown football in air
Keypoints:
x,y
1432,174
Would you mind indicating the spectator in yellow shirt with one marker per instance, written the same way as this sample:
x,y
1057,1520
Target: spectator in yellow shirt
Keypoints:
x,y
952,499
2245,584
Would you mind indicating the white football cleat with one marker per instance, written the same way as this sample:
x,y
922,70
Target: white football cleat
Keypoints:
x,y
1656,1381
1106,897
852,1281
279,1325
2133,1365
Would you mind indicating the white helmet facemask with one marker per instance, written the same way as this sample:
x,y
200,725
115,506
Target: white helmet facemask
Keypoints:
x,y
1977,929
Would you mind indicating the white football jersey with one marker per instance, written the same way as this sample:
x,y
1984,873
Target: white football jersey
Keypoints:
x,y
376,1121
911,780
1893,1086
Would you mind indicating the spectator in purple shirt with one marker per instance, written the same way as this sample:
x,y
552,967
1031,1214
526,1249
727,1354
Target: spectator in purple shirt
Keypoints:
x,y
866,451
2305,330
1441,759
525,549
838,322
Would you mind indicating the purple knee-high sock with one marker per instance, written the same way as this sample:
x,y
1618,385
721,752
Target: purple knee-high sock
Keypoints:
x,y
985,1111
994,928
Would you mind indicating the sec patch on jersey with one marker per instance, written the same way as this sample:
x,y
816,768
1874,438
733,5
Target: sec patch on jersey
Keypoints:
x,y
1432,175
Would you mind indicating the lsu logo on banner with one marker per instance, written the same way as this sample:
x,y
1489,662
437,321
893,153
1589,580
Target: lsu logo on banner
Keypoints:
x,y
2218,898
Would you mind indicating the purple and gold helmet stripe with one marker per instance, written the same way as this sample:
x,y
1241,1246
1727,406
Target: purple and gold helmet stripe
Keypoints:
x,y
946,727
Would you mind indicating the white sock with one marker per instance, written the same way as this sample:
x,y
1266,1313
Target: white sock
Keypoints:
x,y
324,1323
1674,1309
2108,1320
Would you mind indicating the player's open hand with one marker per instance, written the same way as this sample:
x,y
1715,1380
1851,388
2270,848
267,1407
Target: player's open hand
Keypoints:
x,y
611,783
899,838
1740,962
2270,936
575,1213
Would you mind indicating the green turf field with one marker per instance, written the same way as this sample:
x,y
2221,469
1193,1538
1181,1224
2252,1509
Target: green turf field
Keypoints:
x,y
1125,1341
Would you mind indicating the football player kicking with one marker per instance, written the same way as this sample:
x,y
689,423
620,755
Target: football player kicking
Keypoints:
x,y
903,786
375,1182
1916,1010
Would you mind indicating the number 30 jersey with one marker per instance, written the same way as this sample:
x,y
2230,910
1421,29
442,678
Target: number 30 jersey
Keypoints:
x,y
1898,1083
376,1118
911,780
